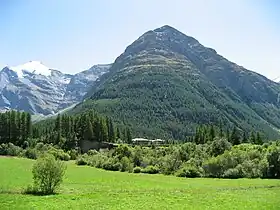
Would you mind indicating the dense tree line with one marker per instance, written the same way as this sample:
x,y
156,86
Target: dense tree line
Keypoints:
x,y
65,131
15,127
68,131
235,136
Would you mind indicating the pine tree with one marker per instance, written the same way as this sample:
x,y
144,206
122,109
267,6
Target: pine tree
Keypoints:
x,y
28,125
212,133
118,134
234,138
57,129
197,135
245,138
88,132
228,135
13,128
221,132
3,128
259,140
128,136
103,131
252,138
111,131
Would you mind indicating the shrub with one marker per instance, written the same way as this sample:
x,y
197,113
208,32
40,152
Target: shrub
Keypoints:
x,y
59,154
171,163
111,165
3,149
122,151
92,152
126,165
219,146
137,156
82,160
150,170
31,153
97,160
25,145
137,170
48,174
189,171
273,158
73,154
41,147
233,173
10,149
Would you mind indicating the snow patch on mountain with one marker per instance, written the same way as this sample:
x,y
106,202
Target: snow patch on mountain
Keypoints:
x,y
37,89
34,67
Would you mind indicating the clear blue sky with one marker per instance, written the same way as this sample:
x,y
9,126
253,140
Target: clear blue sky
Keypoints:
x,y
72,35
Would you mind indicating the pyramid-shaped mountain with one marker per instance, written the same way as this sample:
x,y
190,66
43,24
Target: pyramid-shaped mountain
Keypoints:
x,y
167,83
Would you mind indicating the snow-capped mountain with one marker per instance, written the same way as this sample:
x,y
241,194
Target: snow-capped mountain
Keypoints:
x,y
38,89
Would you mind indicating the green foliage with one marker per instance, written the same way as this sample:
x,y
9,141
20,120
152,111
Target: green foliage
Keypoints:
x,y
15,128
217,159
189,171
59,154
69,131
273,158
137,170
10,149
31,153
126,164
81,160
150,170
48,174
73,154
219,146
112,165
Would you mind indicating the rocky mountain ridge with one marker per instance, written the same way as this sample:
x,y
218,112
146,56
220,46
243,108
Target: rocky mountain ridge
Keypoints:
x,y
37,89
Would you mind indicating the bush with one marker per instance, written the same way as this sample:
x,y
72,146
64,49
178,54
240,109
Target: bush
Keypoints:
x,y
31,153
137,170
10,149
189,172
73,154
82,160
97,160
150,170
233,173
112,165
273,158
42,147
219,146
59,154
47,174
92,152
127,165
25,145
171,163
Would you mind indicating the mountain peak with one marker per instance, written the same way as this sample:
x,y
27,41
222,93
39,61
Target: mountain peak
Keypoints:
x,y
165,28
35,67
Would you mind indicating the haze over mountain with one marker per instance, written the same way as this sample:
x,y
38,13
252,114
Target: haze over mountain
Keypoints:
x,y
37,89
166,83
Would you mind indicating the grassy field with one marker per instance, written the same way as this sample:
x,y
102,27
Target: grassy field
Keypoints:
x,y
90,188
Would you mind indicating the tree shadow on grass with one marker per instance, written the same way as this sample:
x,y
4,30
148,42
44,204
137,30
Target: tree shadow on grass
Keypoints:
x,y
30,190
26,191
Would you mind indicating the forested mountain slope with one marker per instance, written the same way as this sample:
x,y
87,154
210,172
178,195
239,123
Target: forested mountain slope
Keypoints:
x,y
167,83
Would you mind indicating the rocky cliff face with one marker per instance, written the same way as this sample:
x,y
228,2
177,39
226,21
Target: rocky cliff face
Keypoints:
x,y
37,89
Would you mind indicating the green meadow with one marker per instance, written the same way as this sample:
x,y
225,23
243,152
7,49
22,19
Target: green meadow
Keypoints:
x,y
90,188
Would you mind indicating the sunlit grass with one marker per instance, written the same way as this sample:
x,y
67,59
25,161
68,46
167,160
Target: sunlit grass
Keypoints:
x,y
90,188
